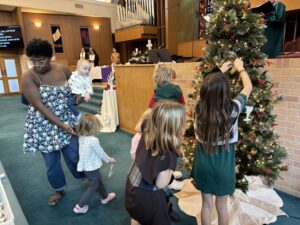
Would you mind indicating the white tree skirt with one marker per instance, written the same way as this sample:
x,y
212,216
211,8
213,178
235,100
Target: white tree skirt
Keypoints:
x,y
261,204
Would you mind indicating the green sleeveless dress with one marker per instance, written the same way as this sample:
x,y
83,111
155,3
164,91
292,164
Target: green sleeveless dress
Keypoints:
x,y
214,173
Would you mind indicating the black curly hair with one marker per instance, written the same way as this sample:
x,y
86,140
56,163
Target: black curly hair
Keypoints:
x,y
39,48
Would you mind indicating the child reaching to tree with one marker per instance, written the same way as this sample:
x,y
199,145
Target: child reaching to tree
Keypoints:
x,y
155,161
164,88
91,156
216,130
80,84
136,138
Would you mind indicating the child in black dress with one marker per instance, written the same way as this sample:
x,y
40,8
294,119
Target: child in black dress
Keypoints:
x,y
156,159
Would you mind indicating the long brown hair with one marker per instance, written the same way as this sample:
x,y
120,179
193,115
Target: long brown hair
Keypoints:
x,y
164,127
213,110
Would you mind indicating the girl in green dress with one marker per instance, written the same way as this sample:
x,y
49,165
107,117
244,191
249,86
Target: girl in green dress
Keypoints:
x,y
216,129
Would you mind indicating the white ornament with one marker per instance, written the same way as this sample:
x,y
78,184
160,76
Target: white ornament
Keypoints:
x,y
249,109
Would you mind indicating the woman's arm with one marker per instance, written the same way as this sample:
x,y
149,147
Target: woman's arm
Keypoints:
x,y
32,94
163,178
239,66
67,72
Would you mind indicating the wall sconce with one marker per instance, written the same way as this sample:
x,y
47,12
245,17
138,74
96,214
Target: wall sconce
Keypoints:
x,y
96,27
38,24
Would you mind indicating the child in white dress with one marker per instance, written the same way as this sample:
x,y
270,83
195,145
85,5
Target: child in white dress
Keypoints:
x,y
80,84
91,156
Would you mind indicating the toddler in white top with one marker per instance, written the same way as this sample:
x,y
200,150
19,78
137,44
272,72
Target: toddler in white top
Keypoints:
x,y
80,84
91,155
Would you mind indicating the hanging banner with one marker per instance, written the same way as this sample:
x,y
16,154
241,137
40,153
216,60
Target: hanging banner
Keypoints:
x,y
85,38
57,39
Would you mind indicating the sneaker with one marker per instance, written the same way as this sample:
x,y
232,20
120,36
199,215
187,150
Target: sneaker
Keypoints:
x,y
109,197
77,209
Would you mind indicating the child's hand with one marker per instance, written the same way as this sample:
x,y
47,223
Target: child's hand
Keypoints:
x,y
112,160
68,129
87,97
238,64
226,66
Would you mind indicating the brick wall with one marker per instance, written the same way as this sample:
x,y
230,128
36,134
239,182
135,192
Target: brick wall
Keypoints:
x,y
285,74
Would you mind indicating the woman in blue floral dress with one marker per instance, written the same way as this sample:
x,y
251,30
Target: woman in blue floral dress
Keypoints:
x,y
49,122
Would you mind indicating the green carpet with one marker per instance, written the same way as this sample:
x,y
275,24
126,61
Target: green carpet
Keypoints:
x,y
28,178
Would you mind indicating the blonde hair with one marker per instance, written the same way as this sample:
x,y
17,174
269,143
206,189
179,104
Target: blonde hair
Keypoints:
x,y
164,127
88,125
163,74
144,117
83,61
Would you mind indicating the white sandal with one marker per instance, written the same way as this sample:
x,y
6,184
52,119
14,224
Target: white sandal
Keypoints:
x,y
177,174
176,185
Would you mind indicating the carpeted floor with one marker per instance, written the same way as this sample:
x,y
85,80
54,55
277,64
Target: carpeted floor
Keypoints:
x,y
27,176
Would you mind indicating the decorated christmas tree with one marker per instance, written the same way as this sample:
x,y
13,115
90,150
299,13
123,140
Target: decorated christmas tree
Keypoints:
x,y
234,31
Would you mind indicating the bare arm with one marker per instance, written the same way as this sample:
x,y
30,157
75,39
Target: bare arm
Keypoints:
x,y
239,66
32,94
67,72
163,178
226,66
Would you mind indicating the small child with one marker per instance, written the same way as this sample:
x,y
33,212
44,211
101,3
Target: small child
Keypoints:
x,y
136,138
216,129
80,84
91,156
164,88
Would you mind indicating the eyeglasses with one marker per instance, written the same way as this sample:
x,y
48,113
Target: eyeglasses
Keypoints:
x,y
38,62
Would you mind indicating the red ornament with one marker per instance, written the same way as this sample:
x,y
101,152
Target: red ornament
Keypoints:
x,y
227,27
259,115
251,152
262,82
251,137
208,65
198,69
268,170
284,166
274,125
232,37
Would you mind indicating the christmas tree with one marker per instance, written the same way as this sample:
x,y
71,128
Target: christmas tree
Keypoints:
x,y
234,31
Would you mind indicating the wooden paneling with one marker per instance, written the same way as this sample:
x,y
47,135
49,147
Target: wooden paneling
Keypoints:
x,y
101,40
192,48
135,33
6,18
135,87
290,4
172,21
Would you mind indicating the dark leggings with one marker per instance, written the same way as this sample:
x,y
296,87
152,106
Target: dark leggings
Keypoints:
x,y
95,184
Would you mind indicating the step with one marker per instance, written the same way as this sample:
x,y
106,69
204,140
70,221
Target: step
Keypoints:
x,y
88,108
97,96
95,101
98,90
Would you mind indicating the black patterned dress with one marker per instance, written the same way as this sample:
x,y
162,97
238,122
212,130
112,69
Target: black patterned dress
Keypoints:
x,y
40,134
